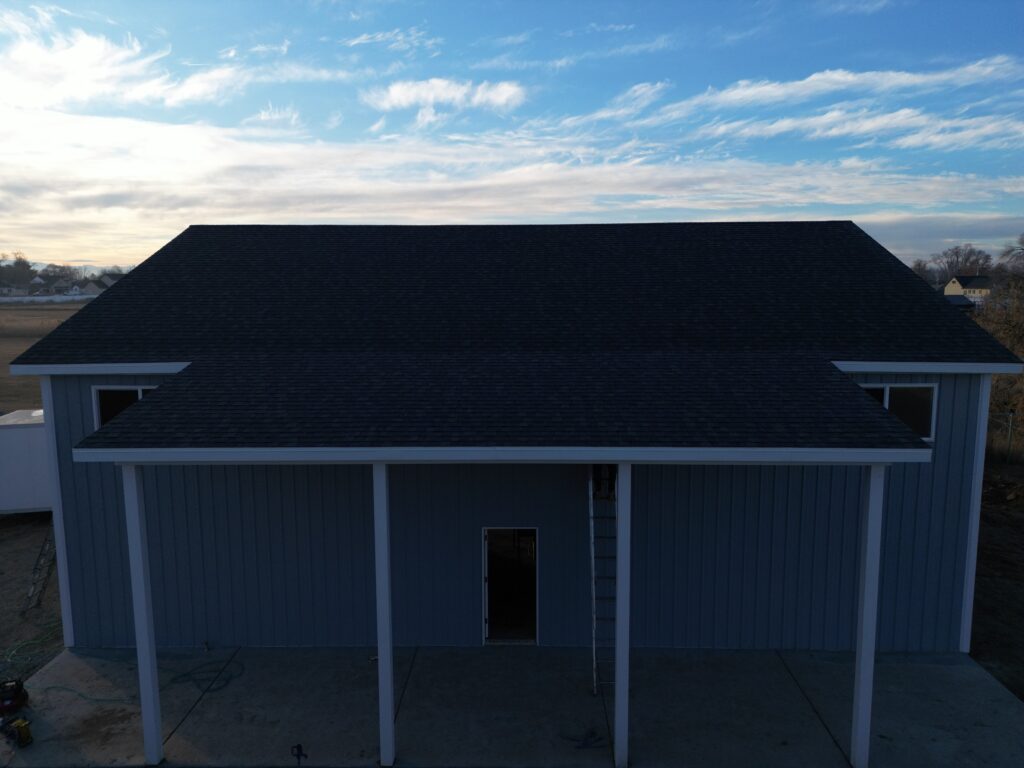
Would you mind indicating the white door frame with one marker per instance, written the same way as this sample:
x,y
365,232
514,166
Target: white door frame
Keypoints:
x,y
485,607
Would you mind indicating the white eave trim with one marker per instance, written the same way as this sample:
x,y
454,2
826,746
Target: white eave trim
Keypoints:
x,y
504,455
97,369
858,366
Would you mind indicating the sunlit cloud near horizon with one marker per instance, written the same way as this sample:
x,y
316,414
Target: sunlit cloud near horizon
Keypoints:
x,y
127,122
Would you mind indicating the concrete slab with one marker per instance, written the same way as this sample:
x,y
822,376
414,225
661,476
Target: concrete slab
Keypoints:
x,y
84,707
324,699
935,710
501,706
722,708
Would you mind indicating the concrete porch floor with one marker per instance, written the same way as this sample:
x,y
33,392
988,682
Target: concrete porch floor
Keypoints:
x,y
518,706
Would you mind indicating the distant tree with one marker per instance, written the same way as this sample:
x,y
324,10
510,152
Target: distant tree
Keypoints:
x,y
1013,254
1002,315
16,269
62,270
924,270
960,260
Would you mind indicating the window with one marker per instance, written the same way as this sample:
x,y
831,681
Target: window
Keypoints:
x,y
109,401
913,404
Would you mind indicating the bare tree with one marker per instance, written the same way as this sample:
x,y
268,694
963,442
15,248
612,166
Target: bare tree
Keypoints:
x,y
1013,254
960,260
924,270
16,269
62,270
1003,316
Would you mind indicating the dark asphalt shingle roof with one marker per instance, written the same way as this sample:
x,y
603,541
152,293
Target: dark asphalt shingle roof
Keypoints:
x,y
822,287
633,399
567,335
974,281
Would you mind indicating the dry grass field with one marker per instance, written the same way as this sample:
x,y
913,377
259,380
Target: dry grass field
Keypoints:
x,y
21,325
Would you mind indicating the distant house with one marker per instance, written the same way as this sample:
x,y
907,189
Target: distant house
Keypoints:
x,y
7,289
107,279
49,286
86,288
975,287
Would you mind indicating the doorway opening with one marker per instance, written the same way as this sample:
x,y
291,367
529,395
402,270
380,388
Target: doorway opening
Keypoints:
x,y
510,585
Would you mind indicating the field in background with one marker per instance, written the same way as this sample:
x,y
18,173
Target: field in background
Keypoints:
x,y
21,326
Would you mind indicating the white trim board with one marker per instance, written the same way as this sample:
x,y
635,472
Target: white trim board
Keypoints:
x,y
847,366
503,455
97,369
57,502
859,366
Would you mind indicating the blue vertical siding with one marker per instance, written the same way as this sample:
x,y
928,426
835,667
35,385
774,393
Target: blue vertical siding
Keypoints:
x,y
723,557
767,557
438,514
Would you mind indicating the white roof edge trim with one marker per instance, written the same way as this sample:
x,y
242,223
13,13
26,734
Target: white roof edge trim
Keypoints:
x,y
502,455
858,366
96,369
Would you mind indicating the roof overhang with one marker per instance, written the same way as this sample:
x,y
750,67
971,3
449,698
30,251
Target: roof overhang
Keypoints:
x,y
97,369
860,366
847,366
505,455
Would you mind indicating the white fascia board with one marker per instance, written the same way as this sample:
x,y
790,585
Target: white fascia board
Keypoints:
x,y
504,455
859,366
97,369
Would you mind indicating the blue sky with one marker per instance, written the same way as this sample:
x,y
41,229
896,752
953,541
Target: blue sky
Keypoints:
x,y
127,121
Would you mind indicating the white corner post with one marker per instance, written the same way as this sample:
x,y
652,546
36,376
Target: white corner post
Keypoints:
x,y
974,514
623,511
385,658
57,511
867,612
142,607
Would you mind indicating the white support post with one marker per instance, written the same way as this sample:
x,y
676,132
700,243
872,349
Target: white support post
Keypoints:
x,y
867,616
623,509
57,511
385,659
142,606
974,514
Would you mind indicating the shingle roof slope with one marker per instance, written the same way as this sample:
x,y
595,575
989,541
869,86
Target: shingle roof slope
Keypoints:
x,y
974,281
515,399
811,287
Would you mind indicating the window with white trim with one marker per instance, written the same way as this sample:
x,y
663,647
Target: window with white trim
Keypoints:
x,y
107,402
913,404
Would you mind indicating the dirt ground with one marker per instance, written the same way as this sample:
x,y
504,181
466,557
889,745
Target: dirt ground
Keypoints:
x,y
998,640
28,639
21,325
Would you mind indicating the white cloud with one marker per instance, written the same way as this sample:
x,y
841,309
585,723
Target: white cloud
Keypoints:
x,y
427,95
125,186
334,119
508,62
378,126
746,93
404,40
42,67
903,128
864,7
264,49
625,105
271,116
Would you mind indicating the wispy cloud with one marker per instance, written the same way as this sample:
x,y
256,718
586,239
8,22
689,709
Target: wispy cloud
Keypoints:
x,y
746,93
427,95
903,128
264,49
625,105
509,62
594,28
271,116
44,67
864,7
403,40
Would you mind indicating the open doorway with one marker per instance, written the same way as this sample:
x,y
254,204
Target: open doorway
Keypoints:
x,y
510,585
